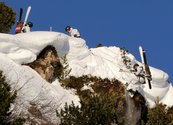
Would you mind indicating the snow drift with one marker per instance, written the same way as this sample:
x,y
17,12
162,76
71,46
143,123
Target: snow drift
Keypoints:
x,y
104,62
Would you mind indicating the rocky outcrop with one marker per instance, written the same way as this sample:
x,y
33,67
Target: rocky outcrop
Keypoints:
x,y
47,63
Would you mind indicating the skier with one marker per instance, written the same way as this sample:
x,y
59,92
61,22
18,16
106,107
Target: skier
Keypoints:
x,y
27,27
139,72
72,32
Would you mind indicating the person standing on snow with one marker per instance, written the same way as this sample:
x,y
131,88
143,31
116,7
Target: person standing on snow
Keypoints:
x,y
27,27
72,32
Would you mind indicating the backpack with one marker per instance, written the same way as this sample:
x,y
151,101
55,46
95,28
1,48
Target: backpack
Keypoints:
x,y
19,27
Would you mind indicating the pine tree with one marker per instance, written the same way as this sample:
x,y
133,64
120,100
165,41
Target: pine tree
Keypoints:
x,y
6,99
7,18
97,111
158,115
64,71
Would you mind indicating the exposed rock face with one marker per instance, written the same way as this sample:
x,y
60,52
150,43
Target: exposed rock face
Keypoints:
x,y
47,63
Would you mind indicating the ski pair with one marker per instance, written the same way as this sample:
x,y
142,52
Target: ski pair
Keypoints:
x,y
146,68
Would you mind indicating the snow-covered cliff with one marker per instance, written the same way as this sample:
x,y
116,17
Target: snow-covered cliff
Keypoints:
x,y
104,62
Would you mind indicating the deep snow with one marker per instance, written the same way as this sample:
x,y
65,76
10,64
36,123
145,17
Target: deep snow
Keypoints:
x,y
104,62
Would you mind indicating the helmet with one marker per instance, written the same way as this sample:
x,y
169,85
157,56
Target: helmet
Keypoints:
x,y
30,24
67,28
135,66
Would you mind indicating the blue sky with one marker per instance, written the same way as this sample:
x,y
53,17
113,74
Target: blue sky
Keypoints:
x,y
122,23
